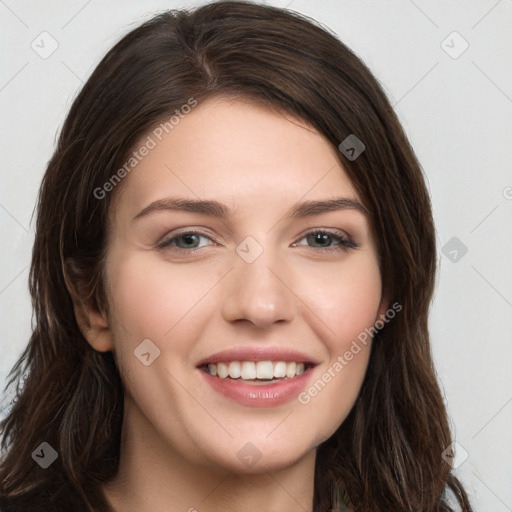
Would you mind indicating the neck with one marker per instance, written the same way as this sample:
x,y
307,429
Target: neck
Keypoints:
x,y
153,476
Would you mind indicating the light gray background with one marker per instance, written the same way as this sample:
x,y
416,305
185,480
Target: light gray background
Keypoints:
x,y
456,111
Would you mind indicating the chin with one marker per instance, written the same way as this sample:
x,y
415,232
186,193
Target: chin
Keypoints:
x,y
259,454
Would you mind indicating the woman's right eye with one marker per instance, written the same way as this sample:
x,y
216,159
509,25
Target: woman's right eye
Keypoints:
x,y
186,241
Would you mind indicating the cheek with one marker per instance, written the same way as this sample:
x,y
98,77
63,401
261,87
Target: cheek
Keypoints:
x,y
167,304
345,297
149,300
348,304
152,300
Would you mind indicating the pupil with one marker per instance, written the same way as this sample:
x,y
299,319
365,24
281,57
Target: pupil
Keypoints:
x,y
189,239
321,238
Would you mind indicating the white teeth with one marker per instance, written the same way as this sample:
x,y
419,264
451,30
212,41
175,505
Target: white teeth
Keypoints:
x,y
250,370
222,370
234,369
264,370
280,370
291,369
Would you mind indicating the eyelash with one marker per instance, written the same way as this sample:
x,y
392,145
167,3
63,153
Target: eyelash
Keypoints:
x,y
343,242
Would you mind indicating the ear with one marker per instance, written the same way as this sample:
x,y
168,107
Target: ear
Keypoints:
x,y
91,319
383,306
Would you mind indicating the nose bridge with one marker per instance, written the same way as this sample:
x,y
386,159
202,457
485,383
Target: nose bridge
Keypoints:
x,y
258,292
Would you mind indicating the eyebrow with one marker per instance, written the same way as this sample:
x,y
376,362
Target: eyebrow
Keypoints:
x,y
215,209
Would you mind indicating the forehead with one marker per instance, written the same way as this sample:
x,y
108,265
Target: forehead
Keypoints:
x,y
238,153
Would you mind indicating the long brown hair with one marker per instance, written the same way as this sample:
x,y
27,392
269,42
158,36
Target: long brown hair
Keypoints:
x,y
387,454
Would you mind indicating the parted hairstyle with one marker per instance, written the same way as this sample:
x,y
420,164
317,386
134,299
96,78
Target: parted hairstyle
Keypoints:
x,y
387,454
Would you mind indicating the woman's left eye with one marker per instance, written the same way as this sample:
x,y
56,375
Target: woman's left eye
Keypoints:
x,y
322,239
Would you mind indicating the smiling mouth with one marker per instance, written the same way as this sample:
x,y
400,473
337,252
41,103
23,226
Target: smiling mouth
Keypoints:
x,y
259,372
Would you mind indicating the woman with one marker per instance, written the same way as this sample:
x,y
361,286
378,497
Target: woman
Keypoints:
x,y
231,276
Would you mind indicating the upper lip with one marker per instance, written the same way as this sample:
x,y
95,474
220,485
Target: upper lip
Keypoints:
x,y
258,354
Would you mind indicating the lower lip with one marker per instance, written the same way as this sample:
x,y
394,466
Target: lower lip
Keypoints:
x,y
259,395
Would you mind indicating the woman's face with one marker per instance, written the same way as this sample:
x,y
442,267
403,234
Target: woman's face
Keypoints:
x,y
213,258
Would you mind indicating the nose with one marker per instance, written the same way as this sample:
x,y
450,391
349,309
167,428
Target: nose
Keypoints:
x,y
258,294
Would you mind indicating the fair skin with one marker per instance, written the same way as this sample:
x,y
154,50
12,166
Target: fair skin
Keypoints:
x,y
181,437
